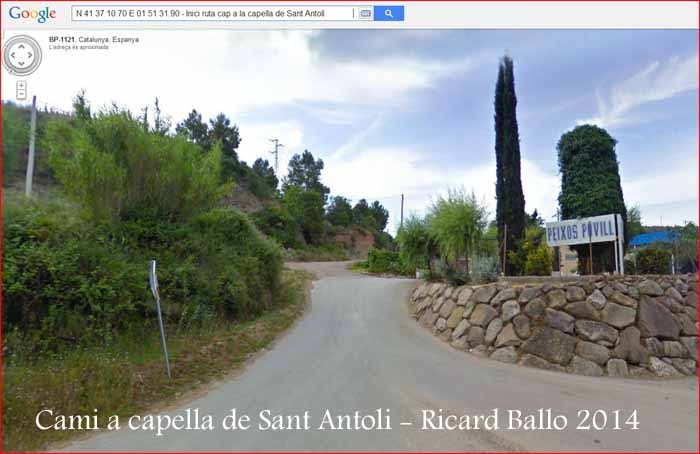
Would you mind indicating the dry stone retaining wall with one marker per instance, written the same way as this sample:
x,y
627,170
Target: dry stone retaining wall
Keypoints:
x,y
617,326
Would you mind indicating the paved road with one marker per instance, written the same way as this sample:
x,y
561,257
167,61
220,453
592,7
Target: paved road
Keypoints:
x,y
358,350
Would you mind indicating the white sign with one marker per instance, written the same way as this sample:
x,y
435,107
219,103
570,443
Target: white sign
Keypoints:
x,y
580,231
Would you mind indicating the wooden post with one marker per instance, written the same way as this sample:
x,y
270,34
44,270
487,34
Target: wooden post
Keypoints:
x,y
590,255
30,158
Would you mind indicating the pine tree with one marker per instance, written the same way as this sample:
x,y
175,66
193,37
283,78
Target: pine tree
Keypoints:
x,y
510,201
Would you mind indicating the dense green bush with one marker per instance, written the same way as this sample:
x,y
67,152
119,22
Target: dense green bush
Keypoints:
x,y
66,280
653,260
382,261
116,169
276,222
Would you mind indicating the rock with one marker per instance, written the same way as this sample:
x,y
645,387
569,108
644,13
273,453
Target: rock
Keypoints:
x,y
691,299
535,361
655,320
596,332
673,349
691,344
507,337
620,298
597,299
461,329
681,287
483,314
528,293
469,308
492,330
634,293
475,336
428,318
620,287
630,348
504,295
592,352
575,293
434,289
662,369
464,296
691,313
505,355
556,298
446,309
674,294
535,308
445,335
685,366
582,309
521,324
441,324
617,315
460,343
423,305
484,294
649,287
559,320
640,372
455,317
607,291
688,328
617,368
582,366
479,350
552,345
448,292
509,310
438,304
654,346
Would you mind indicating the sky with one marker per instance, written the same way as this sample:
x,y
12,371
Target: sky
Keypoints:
x,y
410,112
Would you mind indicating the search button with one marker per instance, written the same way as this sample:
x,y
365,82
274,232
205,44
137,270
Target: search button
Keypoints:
x,y
388,13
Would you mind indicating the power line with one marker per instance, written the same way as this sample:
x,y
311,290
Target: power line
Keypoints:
x,y
278,145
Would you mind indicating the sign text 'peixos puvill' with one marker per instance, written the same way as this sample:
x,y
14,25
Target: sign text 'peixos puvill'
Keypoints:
x,y
596,229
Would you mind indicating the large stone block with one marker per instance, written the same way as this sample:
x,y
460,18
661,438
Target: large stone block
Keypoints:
x,y
617,315
649,287
630,348
582,309
461,328
505,355
492,330
504,295
661,368
535,361
484,294
475,336
620,298
528,293
455,317
617,368
596,332
464,296
559,320
597,299
691,344
592,352
535,308
509,310
446,309
575,293
552,345
556,298
482,315
582,366
521,324
507,337
655,320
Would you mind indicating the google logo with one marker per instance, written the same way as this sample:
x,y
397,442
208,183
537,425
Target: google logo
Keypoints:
x,y
40,15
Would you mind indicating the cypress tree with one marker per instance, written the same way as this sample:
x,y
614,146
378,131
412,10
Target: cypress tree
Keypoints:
x,y
510,201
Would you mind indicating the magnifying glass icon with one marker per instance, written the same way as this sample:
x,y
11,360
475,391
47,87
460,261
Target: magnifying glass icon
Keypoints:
x,y
387,13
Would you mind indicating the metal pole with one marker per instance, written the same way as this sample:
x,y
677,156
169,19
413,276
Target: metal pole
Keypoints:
x,y
30,160
401,210
621,242
156,293
590,254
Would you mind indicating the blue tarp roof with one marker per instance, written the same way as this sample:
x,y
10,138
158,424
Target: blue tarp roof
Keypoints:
x,y
665,236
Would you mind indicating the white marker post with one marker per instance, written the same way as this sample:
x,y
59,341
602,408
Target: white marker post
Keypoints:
x,y
153,281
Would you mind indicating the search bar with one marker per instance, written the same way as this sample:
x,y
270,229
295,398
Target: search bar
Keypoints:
x,y
224,13
388,13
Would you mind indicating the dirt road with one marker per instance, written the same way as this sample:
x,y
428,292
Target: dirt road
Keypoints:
x,y
357,349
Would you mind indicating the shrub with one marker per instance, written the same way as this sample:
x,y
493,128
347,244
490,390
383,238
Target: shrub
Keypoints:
x,y
66,281
653,260
118,170
306,207
382,261
277,223
484,269
539,261
414,240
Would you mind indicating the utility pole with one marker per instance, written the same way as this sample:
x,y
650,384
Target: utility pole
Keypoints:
x,y
401,211
276,153
30,160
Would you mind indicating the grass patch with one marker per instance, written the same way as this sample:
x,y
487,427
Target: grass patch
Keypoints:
x,y
128,376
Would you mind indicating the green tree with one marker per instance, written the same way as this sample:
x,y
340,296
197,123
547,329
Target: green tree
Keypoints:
x,y
305,172
590,186
634,225
222,131
262,169
161,122
510,201
379,214
457,222
194,129
415,242
339,211
306,207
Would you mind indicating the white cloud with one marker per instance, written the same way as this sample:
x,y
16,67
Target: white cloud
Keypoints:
x,y
256,142
656,82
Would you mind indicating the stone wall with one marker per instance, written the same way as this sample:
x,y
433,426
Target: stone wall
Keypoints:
x,y
618,326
